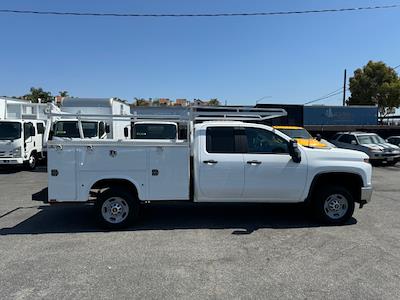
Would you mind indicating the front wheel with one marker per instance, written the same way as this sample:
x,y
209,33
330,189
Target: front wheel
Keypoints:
x,y
116,208
30,164
333,205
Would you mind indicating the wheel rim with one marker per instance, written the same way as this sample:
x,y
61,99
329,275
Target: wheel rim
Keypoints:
x,y
336,206
32,161
115,210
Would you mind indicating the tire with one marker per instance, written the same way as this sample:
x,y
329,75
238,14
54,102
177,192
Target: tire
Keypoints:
x,y
391,163
31,163
333,205
116,208
376,163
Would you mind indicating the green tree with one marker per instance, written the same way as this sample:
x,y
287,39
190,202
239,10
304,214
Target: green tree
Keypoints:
x,y
213,102
141,102
375,84
64,94
38,93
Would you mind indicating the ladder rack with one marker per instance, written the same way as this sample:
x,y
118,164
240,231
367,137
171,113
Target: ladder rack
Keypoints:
x,y
195,113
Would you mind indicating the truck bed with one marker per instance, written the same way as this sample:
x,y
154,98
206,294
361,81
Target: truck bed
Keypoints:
x,y
160,169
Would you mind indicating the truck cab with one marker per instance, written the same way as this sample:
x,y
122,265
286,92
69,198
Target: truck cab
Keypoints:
x,y
21,142
22,127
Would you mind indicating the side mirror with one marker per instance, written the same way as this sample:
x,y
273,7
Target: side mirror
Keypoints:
x,y
51,134
126,132
294,151
353,142
107,128
318,137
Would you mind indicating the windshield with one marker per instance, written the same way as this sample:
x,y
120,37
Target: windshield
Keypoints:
x,y
10,130
70,129
370,139
297,133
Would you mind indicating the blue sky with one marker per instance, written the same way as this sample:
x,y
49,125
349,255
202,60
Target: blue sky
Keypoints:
x,y
293,59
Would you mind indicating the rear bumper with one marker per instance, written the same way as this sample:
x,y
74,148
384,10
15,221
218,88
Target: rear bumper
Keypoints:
x,y
11,161
366,195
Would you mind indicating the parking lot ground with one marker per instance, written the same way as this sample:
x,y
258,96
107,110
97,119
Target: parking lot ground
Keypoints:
x,y
197,251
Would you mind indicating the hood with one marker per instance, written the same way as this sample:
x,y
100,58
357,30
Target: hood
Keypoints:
x,y
312,143
385,147
336,154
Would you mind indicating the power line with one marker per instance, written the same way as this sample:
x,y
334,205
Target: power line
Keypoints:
x,y
272,13
331,94
336,92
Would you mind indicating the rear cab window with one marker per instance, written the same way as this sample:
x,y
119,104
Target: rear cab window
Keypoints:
x,y
223,140
155,131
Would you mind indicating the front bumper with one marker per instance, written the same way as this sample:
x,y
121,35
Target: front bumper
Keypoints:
x,y
385,157
366,195
11,161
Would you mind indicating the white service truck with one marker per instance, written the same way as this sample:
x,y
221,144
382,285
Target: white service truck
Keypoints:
x,y
225,158
22,127
67,126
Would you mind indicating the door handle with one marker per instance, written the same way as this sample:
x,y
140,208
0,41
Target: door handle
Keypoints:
x,y
210,162
254,162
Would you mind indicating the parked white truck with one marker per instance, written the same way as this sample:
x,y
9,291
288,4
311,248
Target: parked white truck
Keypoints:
x,y
67,125
221,160
22,126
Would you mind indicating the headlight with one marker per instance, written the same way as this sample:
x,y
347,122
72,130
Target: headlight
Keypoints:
x,y
16,152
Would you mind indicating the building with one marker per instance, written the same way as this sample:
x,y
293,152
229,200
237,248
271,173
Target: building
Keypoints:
x,y
164,102
181,102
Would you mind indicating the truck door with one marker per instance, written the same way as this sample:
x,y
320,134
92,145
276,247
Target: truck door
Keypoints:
x,y
270,173
29,137
220,167
39,136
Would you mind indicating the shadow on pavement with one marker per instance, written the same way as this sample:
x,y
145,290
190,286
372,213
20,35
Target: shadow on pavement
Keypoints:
x,y
242,219
17,169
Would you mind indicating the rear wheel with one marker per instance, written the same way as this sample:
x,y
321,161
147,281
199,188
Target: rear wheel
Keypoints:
x,y
333,204
116,208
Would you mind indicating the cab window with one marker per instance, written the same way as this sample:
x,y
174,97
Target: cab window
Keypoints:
x,y
40,128
347,138
223,140
29,130
260,141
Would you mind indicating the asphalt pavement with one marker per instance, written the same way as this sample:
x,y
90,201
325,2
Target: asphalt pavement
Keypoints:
x,y
197,251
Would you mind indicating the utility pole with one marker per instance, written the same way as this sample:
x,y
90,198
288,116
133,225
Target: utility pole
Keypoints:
x,y
344,87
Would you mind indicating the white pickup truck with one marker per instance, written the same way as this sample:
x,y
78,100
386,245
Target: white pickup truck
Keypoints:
x,y
220,161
